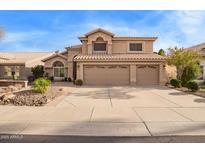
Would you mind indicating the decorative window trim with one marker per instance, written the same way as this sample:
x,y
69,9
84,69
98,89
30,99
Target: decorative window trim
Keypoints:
x,y
128,46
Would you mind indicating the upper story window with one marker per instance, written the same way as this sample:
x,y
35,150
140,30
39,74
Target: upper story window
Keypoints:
x,y
135,47
99,46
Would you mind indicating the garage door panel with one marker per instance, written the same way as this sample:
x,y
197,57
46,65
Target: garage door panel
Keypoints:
x,y
106,75
147,75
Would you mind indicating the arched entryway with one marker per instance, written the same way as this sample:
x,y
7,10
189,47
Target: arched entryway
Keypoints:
x,y
58,70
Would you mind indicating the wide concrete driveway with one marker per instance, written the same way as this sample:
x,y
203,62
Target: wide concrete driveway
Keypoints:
x,y
110,111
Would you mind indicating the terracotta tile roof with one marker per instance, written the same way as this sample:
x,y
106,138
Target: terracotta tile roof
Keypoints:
x,y
23,57
119,57
54,55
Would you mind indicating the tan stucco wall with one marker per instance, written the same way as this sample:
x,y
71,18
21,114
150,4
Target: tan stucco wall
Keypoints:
x,y
123,46
114,46
171,72
71,55
49,71
84,47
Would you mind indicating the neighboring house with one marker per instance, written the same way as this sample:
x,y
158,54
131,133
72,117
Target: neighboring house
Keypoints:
x,y
201,49
105,59
20,63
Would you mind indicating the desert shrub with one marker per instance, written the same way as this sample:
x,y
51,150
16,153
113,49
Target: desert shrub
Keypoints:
x,y
79,82
38,71
176,83
41,85
69,79
193,86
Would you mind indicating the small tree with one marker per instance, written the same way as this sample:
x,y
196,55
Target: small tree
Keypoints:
x,y
184,60
38,71
161,52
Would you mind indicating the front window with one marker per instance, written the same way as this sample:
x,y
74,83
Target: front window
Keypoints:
x,y
58,69
58,72
8,71
99,46
135,47
12,71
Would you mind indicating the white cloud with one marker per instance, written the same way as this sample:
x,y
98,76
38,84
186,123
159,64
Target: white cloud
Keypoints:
x,y
188,25
12,37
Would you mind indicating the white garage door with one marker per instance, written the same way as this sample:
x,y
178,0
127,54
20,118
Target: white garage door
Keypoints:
x,y
147,75
106,75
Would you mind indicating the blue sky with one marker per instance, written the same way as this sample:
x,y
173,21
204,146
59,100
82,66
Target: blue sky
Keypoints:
x,y
54,30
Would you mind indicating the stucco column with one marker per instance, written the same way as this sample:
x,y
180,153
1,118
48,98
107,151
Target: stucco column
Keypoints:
x,y
133,74
80,71
161,74
70,69
89,48
109,48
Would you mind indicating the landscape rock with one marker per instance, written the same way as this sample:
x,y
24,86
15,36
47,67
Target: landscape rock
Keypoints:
x,y
30,98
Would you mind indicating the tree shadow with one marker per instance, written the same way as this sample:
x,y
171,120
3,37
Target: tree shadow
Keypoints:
x,y
178,93
199,100
106,93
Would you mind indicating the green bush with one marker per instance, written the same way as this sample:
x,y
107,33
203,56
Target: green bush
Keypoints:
x,y
193,86
79,82
176,83
41,85
38,71
189,74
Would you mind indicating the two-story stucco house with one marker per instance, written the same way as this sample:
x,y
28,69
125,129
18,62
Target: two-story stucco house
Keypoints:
x,y
105,59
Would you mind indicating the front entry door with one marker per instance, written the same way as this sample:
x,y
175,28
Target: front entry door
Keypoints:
x,y
59,73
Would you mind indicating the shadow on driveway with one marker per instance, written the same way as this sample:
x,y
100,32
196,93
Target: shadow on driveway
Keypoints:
x,y
105,93
199,100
